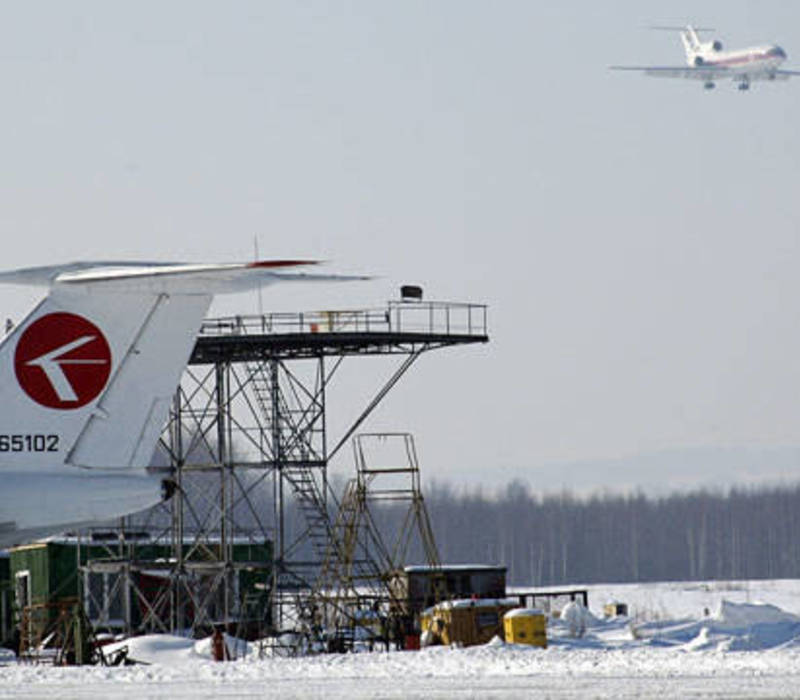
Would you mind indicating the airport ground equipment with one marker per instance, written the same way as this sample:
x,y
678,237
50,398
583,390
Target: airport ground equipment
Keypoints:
x,y
525,626
465,622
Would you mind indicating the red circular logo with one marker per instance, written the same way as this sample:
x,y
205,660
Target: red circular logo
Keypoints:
x,y
62,361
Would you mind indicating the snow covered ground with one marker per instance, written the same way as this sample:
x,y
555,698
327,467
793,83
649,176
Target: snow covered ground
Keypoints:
x,y
746,645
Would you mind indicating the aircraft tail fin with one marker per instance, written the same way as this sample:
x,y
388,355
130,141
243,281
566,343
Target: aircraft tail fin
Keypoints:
x,y
87,378
691,41
689,38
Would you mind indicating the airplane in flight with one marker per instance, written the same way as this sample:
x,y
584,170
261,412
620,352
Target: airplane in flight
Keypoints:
x,y
709,62
86,382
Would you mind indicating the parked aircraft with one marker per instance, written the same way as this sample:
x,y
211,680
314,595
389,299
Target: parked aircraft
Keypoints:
x,y
709,62
86,381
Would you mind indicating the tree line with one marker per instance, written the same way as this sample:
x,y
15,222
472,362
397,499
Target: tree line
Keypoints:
x,y
563,538
558,539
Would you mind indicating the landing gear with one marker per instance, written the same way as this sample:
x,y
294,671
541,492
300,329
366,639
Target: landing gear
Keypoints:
x,y
744,84
709,85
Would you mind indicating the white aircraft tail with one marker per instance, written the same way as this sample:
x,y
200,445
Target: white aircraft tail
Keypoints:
x,y
86,380
689,38
691,42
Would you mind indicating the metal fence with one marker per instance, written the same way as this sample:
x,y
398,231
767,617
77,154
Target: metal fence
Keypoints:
x,y
432,317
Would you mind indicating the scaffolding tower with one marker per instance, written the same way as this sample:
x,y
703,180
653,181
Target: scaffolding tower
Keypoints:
x,y
249,445
363,557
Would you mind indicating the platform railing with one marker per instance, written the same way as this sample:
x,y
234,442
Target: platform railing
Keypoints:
x,y
432,317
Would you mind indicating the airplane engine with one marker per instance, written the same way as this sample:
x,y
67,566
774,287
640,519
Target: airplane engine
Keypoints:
x,y
716,45
698,61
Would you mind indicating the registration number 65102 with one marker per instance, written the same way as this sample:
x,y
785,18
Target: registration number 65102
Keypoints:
x,y
36,442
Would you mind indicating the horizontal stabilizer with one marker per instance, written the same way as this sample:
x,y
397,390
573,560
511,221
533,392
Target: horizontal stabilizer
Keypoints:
x,y
167,278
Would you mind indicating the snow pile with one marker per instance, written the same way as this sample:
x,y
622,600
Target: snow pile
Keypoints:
x,y
172,650
732,627
747,626
740,615
156,648
523,612
473,603
575,621
574,617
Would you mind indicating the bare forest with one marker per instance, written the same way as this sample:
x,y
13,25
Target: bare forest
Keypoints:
x,y
559,539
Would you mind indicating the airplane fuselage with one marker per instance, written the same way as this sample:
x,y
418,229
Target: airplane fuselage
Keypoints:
x,y
37,504
753,60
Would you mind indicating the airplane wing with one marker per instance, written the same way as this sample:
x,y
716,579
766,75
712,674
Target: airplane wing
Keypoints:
x,y
708,73
686,72
786,74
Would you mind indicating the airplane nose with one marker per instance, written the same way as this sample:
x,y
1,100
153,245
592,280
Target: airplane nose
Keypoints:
x,y
779,52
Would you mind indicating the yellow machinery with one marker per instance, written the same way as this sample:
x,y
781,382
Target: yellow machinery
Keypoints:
x,y
526,626
465,622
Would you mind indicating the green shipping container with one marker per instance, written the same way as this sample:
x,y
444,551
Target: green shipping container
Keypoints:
x,y
6,601
45,575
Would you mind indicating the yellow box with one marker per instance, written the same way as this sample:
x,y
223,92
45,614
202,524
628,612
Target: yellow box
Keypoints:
x,y
526,626
615,609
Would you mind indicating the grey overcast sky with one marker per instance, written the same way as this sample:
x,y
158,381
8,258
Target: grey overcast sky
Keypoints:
x,y
636,239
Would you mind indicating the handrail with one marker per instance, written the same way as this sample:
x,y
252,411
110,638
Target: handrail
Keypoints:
x,y
432,317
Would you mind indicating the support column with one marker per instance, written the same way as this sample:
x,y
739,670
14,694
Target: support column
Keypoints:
x,y
278,462
177,618
225,482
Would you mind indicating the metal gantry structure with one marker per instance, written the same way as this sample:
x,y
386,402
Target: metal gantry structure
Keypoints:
x,y
249,443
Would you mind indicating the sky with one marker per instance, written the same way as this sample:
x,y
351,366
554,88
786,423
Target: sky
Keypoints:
x,y
636,240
